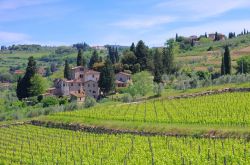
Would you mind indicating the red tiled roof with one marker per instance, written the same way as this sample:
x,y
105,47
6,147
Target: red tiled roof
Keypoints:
x,y
92,72
82,94
119,82
90,81
19,72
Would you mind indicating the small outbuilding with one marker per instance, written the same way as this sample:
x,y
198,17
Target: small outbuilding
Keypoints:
x,y
79,96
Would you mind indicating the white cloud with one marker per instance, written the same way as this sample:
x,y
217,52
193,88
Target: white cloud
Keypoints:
x,y
11,37
145,22
196,9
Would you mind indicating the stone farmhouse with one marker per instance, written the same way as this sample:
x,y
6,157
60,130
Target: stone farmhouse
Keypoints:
x,y
122,79
84,82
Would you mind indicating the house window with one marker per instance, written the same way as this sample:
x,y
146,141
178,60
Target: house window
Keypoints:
x,y
79,84
79,91
82,84
93,85
81,76
64,85
88,85
120,79
80,98
94,92
93,76
81,69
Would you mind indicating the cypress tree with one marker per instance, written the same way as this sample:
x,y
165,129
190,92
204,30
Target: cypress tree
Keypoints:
x,y
107,78
132,48
205,35
24,84
112,55
216,37
79,60
158,66
66,70
141,53
94,59
176,37
20,89
168,57
227,61
116,55
84,61
222,66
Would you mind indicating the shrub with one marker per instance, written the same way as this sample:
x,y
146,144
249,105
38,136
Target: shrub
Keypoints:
x,y
49,101
158,88
63,101
39,98
89,102
126,98
243,65
70,107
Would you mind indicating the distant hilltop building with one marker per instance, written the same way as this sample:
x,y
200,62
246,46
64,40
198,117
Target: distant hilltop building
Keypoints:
x,y
220,36
84,82
99,47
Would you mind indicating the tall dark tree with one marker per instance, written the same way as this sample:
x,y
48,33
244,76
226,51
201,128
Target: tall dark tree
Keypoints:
x,y
20,90
192,43
111,54
205,35
158,66
176,37
168,57
226,67
117,58
94,59
67,70
132,48
79,59
107,78
24,84
141,54
216,37
227,61
222,66
84,61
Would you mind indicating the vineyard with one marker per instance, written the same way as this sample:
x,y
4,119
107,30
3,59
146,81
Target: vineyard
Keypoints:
x,y
39,145
230,109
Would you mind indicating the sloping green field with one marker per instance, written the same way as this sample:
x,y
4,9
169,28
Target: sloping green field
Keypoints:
x,y
228,112
39,145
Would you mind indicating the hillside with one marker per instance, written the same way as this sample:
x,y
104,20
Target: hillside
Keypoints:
x,y
192,116
199,58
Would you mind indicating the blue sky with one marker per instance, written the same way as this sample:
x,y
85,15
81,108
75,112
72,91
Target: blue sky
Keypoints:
x,y
99,22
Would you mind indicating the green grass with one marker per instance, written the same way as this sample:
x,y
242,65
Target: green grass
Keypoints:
x,y
224,113
38,145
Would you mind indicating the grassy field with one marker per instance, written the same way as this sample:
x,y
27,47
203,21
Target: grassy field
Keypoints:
x,y
225,113
39,145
